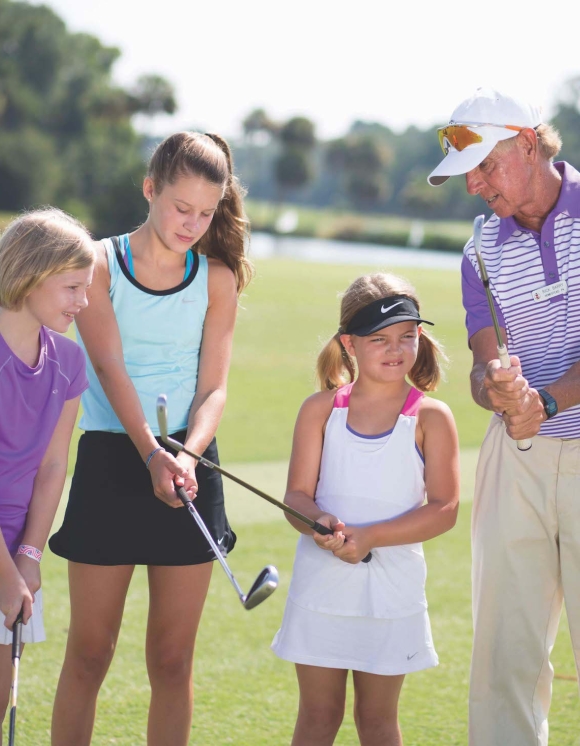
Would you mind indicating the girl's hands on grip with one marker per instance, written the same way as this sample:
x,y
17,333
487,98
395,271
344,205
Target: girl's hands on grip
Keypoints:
x,y
167,471
334,541
356,544
14,595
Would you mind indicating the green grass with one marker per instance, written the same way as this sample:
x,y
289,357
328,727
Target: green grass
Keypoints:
x,y
288,312
244,694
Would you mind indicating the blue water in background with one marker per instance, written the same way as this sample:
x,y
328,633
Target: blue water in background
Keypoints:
x,y
265,245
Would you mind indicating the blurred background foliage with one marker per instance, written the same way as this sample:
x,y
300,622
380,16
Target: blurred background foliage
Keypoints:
x,y
67,137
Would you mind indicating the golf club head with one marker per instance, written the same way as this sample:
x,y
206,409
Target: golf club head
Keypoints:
x,y
264,585
477,233
162,415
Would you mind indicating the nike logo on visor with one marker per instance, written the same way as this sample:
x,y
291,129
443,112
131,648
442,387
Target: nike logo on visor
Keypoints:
x,y
390,308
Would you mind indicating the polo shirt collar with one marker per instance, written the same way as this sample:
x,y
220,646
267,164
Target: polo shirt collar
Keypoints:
x,y
568,202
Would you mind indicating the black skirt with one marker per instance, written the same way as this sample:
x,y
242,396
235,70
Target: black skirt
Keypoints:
x,y
114,518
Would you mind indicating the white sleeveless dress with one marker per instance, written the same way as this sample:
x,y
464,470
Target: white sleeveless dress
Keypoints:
x,y
369,617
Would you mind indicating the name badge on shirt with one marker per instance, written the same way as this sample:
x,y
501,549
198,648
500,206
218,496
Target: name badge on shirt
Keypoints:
x,y
549,291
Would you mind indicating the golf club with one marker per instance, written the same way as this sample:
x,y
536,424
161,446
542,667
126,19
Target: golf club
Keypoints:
x,y
162,421
266,582
502,351
16,650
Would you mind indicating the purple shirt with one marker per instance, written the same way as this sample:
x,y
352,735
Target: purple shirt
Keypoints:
x,y
542,325
31,402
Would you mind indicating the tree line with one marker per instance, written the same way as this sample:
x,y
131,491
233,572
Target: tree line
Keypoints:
x,y
371,168
67,137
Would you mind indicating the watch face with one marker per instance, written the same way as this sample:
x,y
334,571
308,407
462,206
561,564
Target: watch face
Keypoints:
x,y
550,404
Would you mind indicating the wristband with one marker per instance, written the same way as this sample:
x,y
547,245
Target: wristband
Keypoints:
x,y
150,456
29,551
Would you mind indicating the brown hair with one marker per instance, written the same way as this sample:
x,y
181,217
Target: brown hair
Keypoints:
x,y
209,156
37,245
335,366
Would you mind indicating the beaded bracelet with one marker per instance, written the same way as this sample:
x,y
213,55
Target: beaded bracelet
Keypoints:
x,y
150,456
29,551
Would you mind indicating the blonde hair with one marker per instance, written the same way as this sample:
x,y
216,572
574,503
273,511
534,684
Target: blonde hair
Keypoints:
x,y
209,157
37,245
335,366
549,142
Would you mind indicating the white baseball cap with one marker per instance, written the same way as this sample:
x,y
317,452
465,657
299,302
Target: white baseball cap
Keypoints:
x,y
475,128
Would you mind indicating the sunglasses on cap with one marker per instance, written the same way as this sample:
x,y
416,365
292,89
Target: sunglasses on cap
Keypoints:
x,y
461,136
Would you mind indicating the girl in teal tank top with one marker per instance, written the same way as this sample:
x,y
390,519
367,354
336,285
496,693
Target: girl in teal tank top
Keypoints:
x,y
160,320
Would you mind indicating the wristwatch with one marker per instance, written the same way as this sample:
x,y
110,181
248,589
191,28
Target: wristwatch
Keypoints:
x,y
550,404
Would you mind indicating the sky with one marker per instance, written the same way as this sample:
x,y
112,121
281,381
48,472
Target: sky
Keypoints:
x,y
397,62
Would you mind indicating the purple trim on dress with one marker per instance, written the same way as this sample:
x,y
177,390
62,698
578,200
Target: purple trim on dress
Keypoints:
x,y
368,437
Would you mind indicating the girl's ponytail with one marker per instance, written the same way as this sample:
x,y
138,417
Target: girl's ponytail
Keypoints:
x,y
209,156
229,230
333,361
426,373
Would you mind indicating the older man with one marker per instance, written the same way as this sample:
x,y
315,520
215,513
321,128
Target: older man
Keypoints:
x,y
526,512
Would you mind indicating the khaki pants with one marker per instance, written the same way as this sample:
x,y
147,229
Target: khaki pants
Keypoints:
x,y
526,560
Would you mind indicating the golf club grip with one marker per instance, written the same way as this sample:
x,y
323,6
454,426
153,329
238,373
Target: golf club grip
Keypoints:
x,y
504,358
17,636
320,529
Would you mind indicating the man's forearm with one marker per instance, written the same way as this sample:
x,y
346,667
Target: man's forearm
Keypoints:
x,y
566,389
478,390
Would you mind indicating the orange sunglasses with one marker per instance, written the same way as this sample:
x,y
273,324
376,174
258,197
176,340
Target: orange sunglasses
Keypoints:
x,y
461,136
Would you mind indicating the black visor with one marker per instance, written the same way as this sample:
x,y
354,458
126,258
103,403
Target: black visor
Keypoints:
x,y
381,313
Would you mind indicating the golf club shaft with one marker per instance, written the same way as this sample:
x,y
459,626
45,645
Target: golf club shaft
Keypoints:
x,y
187,501
16,650
502,351
318,527
504,359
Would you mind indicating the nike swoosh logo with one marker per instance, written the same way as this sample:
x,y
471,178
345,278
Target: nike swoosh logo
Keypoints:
x,y
411,656
390,308
220,540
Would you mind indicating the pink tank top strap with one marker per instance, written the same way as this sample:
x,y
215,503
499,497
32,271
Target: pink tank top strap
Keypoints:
x,y
342,396
412,402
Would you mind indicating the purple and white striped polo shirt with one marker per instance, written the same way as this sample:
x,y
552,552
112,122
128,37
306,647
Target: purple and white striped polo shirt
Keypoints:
x,y
544,333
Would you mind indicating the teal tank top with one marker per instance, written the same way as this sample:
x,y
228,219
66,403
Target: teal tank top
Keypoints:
x,y
161,332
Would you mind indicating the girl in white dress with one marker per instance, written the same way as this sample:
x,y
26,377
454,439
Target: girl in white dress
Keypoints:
x,y
378,462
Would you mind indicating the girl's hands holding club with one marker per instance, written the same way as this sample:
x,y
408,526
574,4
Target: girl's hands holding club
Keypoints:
x,y
14,595
333,541
189,481
357,544
166,473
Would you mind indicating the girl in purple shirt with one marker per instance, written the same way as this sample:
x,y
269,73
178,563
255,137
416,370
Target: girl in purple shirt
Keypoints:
x,y
46,265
